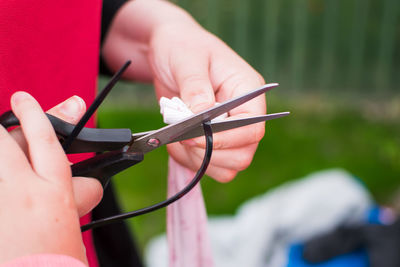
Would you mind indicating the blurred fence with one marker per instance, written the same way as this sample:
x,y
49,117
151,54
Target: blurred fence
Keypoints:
x,y
334,46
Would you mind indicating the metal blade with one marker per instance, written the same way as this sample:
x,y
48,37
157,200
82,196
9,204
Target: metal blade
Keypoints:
x,y
171,132
219,126
229,124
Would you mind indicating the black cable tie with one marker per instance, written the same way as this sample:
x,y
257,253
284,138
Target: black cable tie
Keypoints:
x,y
206,160
93,107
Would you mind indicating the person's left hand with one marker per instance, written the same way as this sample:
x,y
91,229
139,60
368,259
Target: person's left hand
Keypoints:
x,y
38,214
185,60
87,191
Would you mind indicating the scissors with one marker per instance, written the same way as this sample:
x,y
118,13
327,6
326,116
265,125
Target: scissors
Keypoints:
x,y
123,141
124,149
121,149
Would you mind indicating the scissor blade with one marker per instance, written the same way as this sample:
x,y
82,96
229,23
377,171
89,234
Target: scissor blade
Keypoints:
x,y
171,132
228,125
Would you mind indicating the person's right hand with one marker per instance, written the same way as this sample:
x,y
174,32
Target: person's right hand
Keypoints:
x,y
87,191
182,59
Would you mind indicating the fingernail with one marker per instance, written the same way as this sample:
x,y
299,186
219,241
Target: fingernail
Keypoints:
x,y
20,96
71,106
189,142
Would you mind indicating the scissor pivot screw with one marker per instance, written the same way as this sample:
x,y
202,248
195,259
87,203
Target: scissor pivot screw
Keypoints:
x,y
154,142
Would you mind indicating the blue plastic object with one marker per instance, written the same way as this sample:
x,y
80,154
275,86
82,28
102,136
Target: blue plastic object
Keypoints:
x,y
357,258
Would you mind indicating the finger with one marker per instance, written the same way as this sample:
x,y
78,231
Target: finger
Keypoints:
x,y
71,110
232,84
193,162
12,158
232,77
87,193
233,138
47,157
182,156
231,81
221,175
235,159
243,85
193,81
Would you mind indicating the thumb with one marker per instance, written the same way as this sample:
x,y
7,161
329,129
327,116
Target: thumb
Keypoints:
x,y
71,110
194,84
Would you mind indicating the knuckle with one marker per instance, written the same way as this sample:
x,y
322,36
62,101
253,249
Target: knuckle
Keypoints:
x,y
235,80
218,144
194,79
240,79
197,92
48,138
62,196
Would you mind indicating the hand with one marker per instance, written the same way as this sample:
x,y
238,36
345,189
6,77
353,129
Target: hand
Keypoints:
x,y
184,60
202,70
87,192
38,209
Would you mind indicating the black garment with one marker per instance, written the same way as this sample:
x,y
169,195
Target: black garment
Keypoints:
x,y
382,243
110,8
114,243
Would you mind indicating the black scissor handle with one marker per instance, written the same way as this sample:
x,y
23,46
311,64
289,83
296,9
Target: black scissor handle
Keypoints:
x,y
102,167
8,119
88,140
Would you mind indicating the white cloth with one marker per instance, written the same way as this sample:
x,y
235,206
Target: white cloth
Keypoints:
x,y
264,227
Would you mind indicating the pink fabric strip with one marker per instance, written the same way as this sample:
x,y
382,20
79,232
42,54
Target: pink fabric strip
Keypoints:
x,y
44,260
187,233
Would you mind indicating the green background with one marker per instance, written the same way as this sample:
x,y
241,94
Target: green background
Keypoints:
x,y
337,62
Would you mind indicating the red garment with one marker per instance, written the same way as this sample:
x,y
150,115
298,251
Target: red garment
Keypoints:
x,y
50,49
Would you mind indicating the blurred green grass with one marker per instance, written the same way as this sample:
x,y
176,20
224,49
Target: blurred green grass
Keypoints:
x,y
319,134
308,47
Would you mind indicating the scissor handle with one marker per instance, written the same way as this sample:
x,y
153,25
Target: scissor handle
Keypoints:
x,y
88,140
104,166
